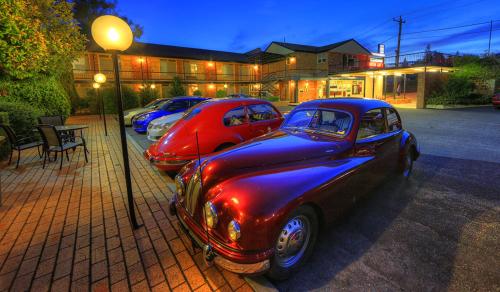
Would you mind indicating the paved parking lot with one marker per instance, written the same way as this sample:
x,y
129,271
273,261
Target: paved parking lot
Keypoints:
x,y
439,230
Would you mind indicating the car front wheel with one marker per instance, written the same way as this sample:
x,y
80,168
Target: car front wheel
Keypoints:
x,y
295,243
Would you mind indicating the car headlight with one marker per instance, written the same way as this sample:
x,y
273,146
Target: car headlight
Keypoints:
x,y
210,214
179,185
142,118
233,229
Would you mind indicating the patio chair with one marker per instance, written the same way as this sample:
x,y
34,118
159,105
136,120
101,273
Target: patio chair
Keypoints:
x,y
51,120
52,142
20,143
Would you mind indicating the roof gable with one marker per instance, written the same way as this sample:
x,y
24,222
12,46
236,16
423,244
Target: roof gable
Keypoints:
x,y
347,46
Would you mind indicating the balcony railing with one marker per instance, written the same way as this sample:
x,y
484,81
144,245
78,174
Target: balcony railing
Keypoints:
x,y
167,76
420,59
293,74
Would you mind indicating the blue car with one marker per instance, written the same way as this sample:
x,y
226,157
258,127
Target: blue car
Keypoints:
x,y
140,122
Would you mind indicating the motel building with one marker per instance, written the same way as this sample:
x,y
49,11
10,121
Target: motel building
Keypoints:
x,y
292,72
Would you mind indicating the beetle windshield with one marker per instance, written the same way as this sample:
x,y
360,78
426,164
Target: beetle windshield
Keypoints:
x,y
327,121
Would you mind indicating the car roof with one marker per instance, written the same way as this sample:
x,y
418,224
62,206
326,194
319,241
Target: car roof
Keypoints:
x,y
361,105
188,97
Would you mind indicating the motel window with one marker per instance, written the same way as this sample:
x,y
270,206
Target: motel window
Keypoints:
x,y
193,68
105,63
81,64
168,66
372,124
321,58
350,61
235,117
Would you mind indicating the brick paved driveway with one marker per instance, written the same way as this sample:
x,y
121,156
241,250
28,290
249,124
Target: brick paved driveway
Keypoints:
x,y
69,229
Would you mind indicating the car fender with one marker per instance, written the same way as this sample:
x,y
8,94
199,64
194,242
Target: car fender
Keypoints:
x,y
261,205
408,140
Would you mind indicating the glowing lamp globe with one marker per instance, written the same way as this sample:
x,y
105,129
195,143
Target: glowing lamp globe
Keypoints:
x,y
96,85
100,78
112,33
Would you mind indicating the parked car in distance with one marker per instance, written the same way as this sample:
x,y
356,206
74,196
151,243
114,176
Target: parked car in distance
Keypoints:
x,y
158,127
175,105
496,100
256,207
219,123
129,114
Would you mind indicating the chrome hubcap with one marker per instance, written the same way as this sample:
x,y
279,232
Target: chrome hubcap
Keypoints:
x,y
293,241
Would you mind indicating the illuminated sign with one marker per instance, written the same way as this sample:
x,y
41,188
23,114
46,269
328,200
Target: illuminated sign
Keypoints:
x,y
376,63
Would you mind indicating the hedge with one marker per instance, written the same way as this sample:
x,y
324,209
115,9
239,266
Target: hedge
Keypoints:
x,y
22,118
44,93
130,99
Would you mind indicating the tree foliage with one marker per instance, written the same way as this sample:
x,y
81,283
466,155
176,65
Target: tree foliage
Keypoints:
x,y
86,11
476,67
177,88
37,36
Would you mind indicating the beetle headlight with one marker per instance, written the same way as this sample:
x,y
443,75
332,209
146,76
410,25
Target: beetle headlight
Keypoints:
x,y
210,214
233,229
179,185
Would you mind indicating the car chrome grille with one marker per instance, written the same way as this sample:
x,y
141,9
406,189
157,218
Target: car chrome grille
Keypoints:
x,y
193,192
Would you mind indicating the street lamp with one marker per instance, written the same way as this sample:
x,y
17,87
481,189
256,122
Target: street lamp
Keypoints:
x,y
114,35
99,79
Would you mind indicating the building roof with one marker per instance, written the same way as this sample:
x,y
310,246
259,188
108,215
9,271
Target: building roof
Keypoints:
x,y
316,49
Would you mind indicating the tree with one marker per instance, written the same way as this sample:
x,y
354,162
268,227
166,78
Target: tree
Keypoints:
x,y
37,36
177,88
86,11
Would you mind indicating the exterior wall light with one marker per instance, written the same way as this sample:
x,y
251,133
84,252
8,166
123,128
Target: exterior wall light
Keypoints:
x,y
100,78
210,64
96,85
153,86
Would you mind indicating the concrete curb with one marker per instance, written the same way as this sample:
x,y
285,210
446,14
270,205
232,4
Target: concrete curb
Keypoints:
x,y
259,283
456,106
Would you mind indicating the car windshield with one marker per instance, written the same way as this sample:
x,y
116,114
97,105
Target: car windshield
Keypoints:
x,y
191,113
327,121
153,103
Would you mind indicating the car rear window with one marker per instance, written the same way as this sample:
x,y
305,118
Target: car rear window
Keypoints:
x,y
261,112
235,117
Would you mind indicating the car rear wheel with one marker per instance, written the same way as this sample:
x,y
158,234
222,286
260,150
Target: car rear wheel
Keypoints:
x,y
295,243
408,163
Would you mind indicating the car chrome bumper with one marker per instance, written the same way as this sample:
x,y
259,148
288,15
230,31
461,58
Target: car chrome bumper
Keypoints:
x,y
239,268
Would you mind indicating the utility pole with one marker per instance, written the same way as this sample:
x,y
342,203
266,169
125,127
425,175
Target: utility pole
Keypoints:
x,y
489,41
398,49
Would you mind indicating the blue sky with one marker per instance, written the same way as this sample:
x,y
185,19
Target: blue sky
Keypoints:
x,y
241,26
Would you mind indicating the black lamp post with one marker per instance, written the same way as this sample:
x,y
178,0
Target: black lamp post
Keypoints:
x,y
114,35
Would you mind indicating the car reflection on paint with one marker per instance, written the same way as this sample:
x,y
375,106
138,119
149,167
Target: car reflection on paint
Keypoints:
x,y
256,207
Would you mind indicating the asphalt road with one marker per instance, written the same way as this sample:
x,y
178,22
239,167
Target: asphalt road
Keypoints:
x,y
440,230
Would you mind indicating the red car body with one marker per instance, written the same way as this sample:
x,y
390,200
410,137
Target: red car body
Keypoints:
x,y
261,183
217,127
495,100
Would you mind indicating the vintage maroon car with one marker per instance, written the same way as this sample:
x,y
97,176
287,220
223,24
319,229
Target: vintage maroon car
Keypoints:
x,y
495,100
256,207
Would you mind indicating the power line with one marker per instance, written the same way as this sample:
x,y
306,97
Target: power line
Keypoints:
x,y
373,28
455,34
450,27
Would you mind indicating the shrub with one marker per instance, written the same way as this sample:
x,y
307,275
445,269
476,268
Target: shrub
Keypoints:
x,y
177,88
147,95
22,118
197,92
221,93
272,98
457,90
130,99
43,93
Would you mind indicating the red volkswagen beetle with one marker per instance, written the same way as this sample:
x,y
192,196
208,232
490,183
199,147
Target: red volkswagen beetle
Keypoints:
x,y
220,123
257,207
